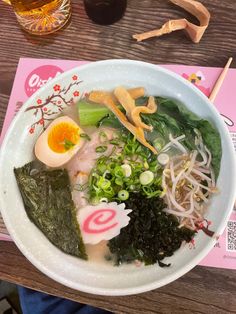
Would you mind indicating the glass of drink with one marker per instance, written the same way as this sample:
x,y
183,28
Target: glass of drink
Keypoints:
x,y
105,12
41,17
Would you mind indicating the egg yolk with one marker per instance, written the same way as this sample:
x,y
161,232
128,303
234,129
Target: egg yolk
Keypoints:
x,y
62,137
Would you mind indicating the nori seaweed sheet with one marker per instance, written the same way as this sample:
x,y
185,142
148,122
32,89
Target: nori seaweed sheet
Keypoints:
x,y
48,203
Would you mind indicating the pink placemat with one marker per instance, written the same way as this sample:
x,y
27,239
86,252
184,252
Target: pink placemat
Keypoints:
x,y
33,73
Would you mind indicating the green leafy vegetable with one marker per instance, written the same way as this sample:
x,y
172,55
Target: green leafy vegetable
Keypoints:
x,y
190,121
48,203
110,120
173,117
151,234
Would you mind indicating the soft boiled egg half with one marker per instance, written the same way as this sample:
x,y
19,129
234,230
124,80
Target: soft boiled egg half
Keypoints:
x,y
59,142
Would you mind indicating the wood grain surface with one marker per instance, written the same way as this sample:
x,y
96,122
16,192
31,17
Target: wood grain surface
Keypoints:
x,y
202,290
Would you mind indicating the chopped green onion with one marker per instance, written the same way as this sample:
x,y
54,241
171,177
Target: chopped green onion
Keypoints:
x,y
104,199
85,136
146,177
68,144
101,168
107,175
101,149
114,142
81,187
149,191
163,159
159,143
123,195
95,200
111,166
103,183
127,170
119,181
118,171
109,191
132,187
103,136
154,166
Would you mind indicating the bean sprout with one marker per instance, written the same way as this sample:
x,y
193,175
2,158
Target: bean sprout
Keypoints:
x,y
188,181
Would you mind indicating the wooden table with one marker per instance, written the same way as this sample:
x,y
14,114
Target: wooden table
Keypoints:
x,y
202,290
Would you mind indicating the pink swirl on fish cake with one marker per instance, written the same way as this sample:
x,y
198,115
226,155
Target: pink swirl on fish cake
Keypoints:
x,y
95,217
102,222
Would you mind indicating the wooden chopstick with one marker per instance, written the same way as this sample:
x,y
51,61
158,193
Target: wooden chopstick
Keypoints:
x,y
220,81
218,84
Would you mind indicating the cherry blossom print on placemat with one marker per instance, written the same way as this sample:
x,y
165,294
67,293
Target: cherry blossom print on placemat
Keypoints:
x,y
45,109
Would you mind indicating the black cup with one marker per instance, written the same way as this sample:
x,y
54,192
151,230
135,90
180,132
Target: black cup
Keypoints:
x,y
105,12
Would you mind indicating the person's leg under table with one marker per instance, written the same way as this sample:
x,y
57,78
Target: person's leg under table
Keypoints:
x,y
41,303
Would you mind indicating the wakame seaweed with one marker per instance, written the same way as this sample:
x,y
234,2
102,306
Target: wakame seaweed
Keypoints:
x,y
48,203
151,234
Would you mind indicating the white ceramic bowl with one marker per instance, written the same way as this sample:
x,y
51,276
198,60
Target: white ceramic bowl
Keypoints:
x,y
17,149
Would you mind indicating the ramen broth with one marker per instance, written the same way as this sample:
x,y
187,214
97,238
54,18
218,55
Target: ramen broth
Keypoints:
x,y
98,253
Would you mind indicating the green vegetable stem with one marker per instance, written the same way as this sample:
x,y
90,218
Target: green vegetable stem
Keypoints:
x,y
90,113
